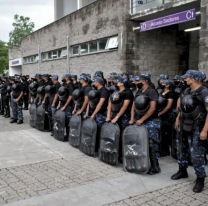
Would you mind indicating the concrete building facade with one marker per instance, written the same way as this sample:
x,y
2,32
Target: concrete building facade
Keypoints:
x,y
105,35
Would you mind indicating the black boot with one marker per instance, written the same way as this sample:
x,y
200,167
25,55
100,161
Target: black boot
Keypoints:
x,y
199,185
13,121
182,173
155,168
20,122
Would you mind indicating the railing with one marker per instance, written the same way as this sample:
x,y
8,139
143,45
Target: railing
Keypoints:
x,y
137,6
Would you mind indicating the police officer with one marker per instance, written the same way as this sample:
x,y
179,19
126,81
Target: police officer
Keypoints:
x,y
119,107
146,111
75,82
167,116
5,97
1,100
98,103
85,89
37,78
160,80
66,103
193,121
17,93
25,84
126,76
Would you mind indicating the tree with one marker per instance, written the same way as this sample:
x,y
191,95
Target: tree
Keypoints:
x,y
4,59
22,27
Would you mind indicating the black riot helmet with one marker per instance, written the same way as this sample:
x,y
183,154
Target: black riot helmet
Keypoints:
x,y
15,87
63,93
161,103
77,96
93,97
49,89
116,98
188,103
33,88
41,92
142,102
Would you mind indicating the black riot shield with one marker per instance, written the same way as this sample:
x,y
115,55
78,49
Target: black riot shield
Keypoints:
x,y
109,143
40,118
33,115
135,149
59,125
88,137
75,130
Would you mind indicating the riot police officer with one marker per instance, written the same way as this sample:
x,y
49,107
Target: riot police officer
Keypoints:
x,y
75,82
160,80
84,90
193,121
66,103
119,107
97,107
144,111
17,101
25,84
167,116
6,97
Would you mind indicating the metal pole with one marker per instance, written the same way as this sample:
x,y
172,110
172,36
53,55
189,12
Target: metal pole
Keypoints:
x,y
39,59
68,63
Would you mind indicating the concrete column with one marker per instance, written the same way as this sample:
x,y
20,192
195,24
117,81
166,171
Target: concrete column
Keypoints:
x,y
203,42
58,9
79,4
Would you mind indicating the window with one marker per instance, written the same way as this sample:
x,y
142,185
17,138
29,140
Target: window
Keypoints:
x,y
96,46
37,58
63,53
75,50
112,43
102,44
93,46
30,59
44,56
84,49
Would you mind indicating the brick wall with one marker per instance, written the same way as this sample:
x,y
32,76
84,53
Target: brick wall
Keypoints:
x,y
159,51
102,19
203,42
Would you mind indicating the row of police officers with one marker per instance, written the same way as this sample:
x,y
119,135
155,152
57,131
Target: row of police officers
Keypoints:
x,y
124,100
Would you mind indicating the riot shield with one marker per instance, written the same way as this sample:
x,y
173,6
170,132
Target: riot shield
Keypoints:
x,y
109,143
88,137
135,149
75,130
32,115
40,118
59,125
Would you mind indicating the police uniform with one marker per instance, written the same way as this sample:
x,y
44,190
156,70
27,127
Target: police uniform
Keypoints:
x,y
63,97
153,123
17,89
168,119
94,99
192,120
5,98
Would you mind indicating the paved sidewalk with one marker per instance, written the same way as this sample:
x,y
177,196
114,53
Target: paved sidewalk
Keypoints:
x,y
37,170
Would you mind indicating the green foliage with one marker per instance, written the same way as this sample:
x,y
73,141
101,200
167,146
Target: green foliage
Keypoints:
x,y
22,27
4,59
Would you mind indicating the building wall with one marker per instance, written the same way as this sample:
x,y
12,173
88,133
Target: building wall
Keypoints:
x,y
102,19
203,42
15,52
161,51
